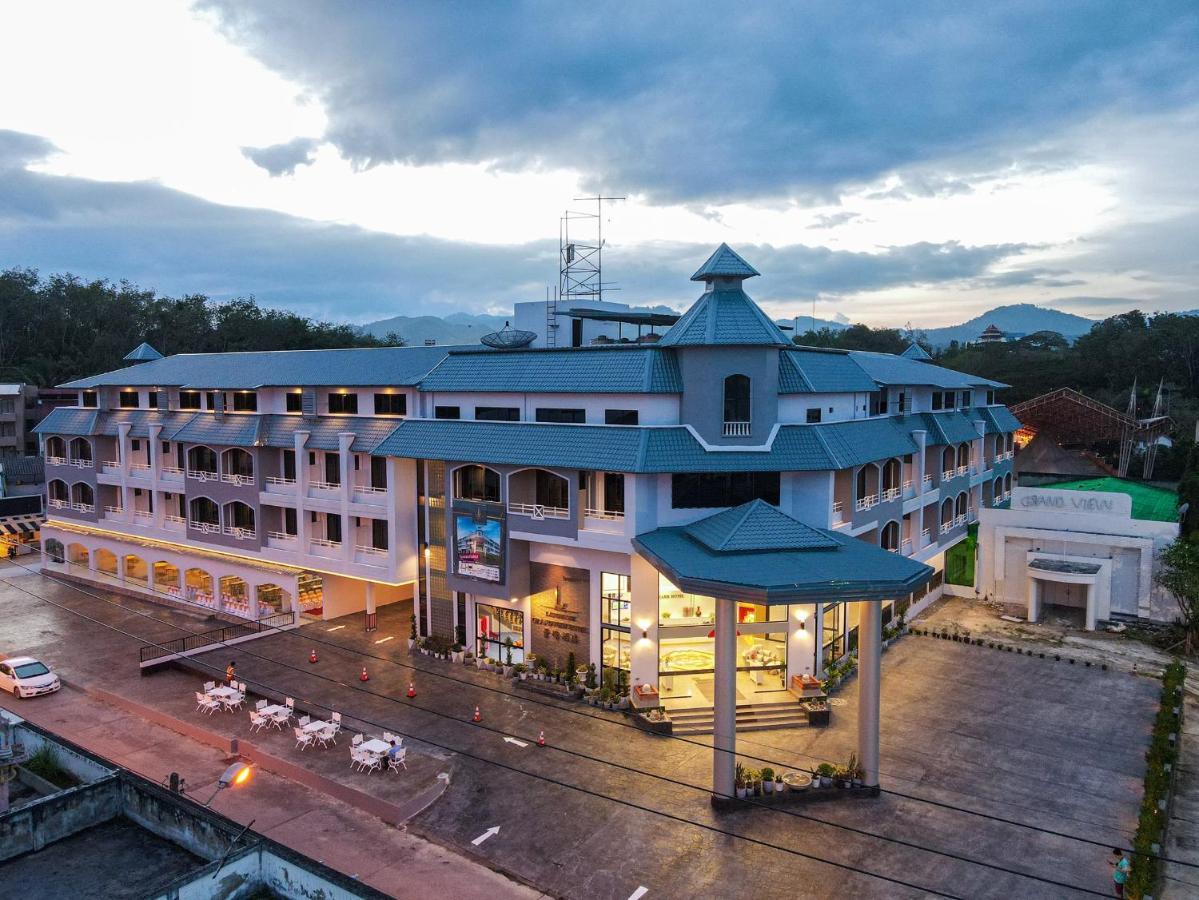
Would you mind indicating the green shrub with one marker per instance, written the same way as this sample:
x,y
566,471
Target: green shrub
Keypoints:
x,y
45,764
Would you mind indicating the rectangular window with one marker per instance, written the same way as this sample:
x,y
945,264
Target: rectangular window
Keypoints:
x,y
703,490
333,468
128,400
343,404
333,527
497,413
379,534
990,398
966,398
620,417
378,472
289,521
294,401
166,449
447,412
391,405
938,400
289,464
189,399
813,416
614,492
500,633
616,606
135,445
152,400
210,396
878,403
91,399
245,401
562,416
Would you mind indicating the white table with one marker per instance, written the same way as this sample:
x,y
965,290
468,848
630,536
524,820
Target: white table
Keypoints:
x,y
375,746
273,711
221,692
316,725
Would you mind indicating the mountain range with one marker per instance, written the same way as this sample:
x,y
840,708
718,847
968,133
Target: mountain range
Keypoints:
x,y
1021,318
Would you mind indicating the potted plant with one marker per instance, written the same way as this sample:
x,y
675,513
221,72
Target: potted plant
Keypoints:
x,y
457,651
778,782
412,632
856,772
507,657
521,670
468,658
591,681
767,780
825,772
739,782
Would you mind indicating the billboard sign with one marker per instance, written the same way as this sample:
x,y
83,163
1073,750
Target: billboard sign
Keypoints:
x,y
478,547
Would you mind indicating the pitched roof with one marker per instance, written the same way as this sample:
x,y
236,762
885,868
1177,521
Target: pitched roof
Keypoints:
x,y
612,370
807,371
950,427
830,567
887,368
143,352
353,367
915,351
725,317
756,526
998,419
69,420
724,262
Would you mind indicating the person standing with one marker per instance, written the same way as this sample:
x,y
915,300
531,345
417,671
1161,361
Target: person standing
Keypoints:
x,y
1120,873
230,671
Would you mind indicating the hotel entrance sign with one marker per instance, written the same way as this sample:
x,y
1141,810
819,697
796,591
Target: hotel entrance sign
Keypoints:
x,y
1081,503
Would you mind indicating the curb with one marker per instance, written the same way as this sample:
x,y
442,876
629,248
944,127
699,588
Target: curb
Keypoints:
x,y
1019,649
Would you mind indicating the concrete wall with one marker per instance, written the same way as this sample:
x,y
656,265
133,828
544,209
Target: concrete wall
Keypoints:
x,y
48,819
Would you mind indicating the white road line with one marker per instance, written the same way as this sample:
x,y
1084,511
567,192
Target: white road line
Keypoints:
x,y
390,637
639,893
335,628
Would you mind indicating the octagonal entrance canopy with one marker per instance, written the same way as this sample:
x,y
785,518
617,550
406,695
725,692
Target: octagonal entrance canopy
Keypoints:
x,y
757,553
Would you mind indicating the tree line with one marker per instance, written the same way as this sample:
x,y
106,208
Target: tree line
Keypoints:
x,y
57,328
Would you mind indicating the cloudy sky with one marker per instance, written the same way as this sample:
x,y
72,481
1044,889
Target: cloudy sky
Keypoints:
x,y
890,162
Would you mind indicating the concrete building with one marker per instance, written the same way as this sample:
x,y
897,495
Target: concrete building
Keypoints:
x,y
545,502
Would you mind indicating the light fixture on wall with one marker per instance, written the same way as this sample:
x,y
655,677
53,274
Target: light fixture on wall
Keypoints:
x,y
645,635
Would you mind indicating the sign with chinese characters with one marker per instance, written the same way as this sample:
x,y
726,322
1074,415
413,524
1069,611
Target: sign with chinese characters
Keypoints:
x,y
1082,503
559,611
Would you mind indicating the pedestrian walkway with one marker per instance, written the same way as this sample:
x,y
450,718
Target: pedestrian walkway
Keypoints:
x,y
1182,834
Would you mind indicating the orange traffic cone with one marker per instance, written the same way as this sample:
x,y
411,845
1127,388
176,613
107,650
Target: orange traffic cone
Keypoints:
x,y
477,717
364,676
312,655
541,739
411,689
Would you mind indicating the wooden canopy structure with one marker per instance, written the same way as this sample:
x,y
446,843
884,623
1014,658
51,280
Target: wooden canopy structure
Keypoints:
x,y
1072,418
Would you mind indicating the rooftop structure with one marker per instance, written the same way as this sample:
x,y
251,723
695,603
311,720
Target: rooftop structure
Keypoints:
x,y
1149,502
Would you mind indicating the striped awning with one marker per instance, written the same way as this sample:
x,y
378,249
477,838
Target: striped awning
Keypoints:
x,y
21,524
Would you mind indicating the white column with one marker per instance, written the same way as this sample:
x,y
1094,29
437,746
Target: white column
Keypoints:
x,y
1034,599
724,701
303,526
1091,614
345,459
870,649
370,606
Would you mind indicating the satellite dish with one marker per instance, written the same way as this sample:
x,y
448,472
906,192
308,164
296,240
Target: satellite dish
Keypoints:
x,y
509,338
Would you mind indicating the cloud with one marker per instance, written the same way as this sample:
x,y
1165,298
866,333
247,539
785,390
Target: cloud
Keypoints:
x,y
283,159
719,100
18,149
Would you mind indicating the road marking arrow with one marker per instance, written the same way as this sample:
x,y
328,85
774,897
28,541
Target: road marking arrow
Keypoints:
x,y
512,740
335,628
490,832
639,893
390,637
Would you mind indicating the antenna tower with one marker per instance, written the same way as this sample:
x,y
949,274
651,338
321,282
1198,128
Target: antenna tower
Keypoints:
x,y
580,261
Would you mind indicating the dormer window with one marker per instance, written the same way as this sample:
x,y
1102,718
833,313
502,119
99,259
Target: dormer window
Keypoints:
x,y
736,406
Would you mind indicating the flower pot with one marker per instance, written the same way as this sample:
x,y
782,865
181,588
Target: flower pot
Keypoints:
x,y
768,787
524,676
507,671
742,793
779,786
826,781
411,643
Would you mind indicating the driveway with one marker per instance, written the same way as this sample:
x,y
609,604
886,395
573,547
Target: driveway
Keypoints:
x,y
606,809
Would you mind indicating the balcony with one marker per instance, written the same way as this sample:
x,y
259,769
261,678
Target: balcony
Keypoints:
x,y
605,514
143,517
326,548
538,512
59,504
890,494
864,503
323,488
276,484
963,470
839,514
948,474
139,467
112,465
909,488
281,540
82,464
959,521
736,429
239,480
241,534
174,523
905,547
372,556
202,475
114,511
205,527
363,493
926,536
56,460
926,483
84,507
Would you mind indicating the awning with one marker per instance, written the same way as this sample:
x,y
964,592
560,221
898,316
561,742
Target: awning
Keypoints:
x,y
17,525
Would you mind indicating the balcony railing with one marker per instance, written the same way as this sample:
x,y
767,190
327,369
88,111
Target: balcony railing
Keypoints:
x,y
891,494
56,460
200,475
368,550
279,481
963,470
59,504
114,510
174,520
143,515
927,534
864,503
171,470
325,485
736,429
610,514
281,536
139,467
236,531
909,488
959,521
927,481
323,542
240,480
112,465
82,463
84,507
947,474
905,547
537,511
205,527
369,490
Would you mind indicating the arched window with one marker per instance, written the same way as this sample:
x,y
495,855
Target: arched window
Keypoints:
x,y
477,483
238,462
891,470
946,513
997,489
962,504
239,515
1007,483
890,536
863,482
57,490
81,449
204,512
963,455
948,459
56,448
736,405
81,492
201,459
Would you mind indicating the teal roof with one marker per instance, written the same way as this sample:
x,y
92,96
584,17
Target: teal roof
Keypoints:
x,y
143,352
612,370
999,419
323,431
140,420
800,564
756,526
951,427
69,421
355,367
807,371
915,351
724,263
226,431
887,368
724,317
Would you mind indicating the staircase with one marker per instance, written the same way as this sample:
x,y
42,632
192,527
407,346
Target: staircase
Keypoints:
x,y
750,717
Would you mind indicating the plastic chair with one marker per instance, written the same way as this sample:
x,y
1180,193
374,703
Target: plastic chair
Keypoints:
x,y
395,763
209,685
257,721
303,739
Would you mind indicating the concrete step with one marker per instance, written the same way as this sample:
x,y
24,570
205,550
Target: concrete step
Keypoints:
x,y
750,717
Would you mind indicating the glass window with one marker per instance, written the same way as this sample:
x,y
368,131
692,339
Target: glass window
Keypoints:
x,y
289,520
152,400
833,633
966,395
294,401
343,404
813,416
497,413
189,399
379,534
378,471
128,399
332,467
333,528
736,398
211,396
498,631
245,401
562,416
620,417
391,405
91,399
614,492
616,599
707,490
447,412
615,645
552,490
477,483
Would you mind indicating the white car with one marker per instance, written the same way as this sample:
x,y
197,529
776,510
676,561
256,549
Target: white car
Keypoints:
x,y
25,676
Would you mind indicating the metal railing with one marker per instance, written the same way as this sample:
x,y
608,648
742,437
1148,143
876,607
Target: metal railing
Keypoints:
x,y
864,503
84,507
593,513
143,514
114,510
947,474
199,475
736,429
230,478
538,512
59,504
369,550
170,470
369,490
139,467
174,520
83,463
281,536
325,485
56,460
927,481
962,470
959,521
205,527
193,642
324,542
280,481
891,494
906,547
112,465
236,531
927,534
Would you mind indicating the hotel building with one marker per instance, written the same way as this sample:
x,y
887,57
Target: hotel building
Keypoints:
x,y
590,500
